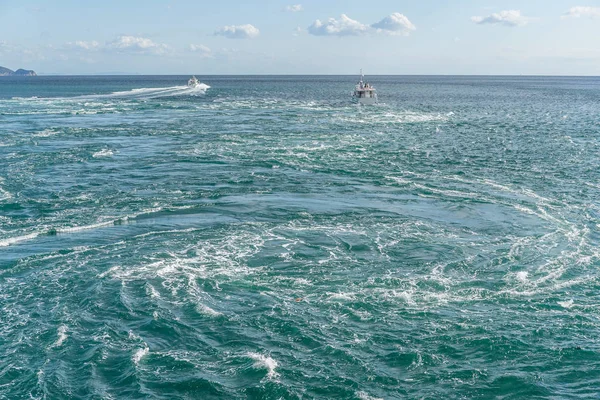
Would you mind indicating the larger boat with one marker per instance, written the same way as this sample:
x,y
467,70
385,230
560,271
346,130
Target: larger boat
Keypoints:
x,y
364,93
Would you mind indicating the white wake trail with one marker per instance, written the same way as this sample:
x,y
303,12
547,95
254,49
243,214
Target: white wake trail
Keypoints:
x,y
133,94
152,93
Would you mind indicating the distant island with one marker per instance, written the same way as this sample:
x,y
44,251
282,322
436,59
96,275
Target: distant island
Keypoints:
x,y
19,72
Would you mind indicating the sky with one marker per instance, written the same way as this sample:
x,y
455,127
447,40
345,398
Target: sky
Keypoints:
x,y
425,37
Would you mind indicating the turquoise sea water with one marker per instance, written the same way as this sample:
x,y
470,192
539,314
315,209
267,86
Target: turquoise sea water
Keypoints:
x,y
265,238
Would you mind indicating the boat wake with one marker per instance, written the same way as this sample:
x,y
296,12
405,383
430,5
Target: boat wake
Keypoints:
x,y
133,94
152,93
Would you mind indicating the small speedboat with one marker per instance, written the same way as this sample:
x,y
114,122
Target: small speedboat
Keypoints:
x,y
193,82
364,93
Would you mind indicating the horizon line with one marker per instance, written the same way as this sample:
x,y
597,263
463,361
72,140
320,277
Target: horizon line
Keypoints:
x,y
283,74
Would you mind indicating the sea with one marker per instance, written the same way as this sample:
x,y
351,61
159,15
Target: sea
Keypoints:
x,y
263,237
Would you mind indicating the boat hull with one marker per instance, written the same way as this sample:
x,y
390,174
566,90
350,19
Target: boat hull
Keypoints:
x,y
365,100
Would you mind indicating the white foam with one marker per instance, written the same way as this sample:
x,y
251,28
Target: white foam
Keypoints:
x,y
404,296
537,288
151,291
302,281
399,180
113,270
358,340
103,153
14,240
342,296
406,117
566,304
262,361
4,194
85,227
448,192
40,375
222,259
139,354
522,276
152,93
365,396
45,133
206,310
524,209
363,315
62,336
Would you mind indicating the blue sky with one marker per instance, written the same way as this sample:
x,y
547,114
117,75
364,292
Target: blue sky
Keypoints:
x,y
552,37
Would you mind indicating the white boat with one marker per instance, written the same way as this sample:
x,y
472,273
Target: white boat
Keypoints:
x,y
364,93
193,82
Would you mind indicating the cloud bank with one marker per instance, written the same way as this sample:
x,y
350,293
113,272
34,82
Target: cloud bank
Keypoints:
x,y
581,11
80,44
139,45
332,27
202,50
238,31
507,18
121,44
394,24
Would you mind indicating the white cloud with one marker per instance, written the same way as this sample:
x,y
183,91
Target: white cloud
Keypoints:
x,y
581,11
136,45
507,18
80,44
201,49
294,7
238,31
6,47
121,44
332,27
395,24
25,54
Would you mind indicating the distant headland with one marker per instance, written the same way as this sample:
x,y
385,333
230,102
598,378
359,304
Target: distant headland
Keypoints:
x,y
19,72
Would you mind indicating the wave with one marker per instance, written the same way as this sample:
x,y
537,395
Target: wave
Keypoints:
x,y
4,194
264,362
61,336
14,240
365,396
103,153
139,354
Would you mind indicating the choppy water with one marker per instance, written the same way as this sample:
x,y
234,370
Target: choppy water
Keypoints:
x,y
265,238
